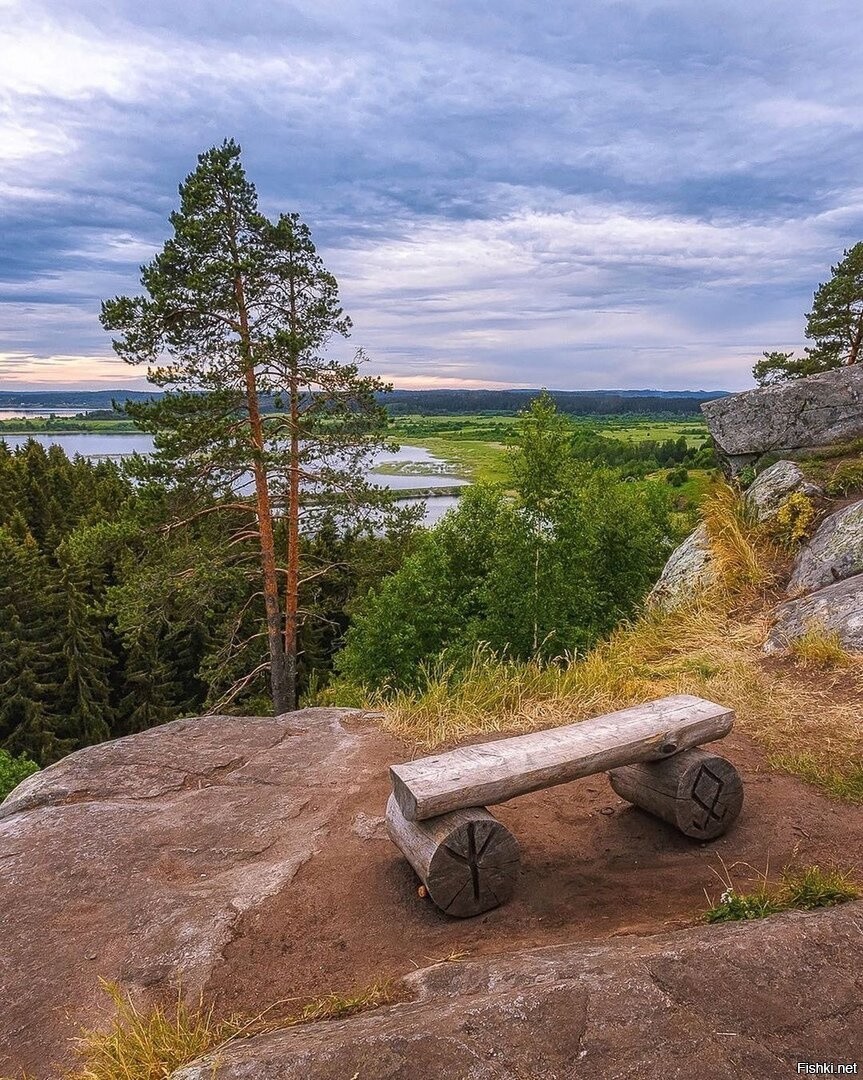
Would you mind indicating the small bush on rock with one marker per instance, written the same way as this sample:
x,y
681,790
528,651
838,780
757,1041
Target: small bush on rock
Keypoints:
x,y
13,770
793,519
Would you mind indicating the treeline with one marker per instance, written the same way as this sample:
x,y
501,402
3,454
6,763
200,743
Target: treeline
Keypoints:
x,y
637,459
99,403
122,610
116,614
571,402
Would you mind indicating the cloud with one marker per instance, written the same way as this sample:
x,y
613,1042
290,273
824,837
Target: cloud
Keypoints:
x,y
638,193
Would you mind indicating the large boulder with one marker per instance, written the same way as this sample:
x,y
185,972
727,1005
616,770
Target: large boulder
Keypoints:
x,y
835,608
690,568
736,1002
771,488
819,410
137,860
834,553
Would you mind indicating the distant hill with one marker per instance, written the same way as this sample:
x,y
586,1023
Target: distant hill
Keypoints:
x,y
428,402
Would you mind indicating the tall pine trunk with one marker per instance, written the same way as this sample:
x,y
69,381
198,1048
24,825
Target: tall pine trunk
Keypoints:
x,y
292,591
283,698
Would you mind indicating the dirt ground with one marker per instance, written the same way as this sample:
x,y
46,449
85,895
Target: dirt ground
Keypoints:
x,y
592,867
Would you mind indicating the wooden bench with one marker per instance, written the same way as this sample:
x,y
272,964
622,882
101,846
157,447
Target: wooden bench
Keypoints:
x,y
468,861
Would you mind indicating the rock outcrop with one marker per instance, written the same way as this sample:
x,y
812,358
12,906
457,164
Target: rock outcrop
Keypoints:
x,y
817,411
771,488
834,553
691,566
836,609
689,569
736,1002
136,860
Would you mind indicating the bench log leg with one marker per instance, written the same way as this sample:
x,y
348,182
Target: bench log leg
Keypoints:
x,y
699,792
466,859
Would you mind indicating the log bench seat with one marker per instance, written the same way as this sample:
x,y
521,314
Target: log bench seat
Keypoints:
x,y
468,861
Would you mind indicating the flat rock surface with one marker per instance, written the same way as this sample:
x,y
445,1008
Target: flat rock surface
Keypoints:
x,y
834,553
816,411
837,607
771,488
247,856
689,568
741,1001
136,859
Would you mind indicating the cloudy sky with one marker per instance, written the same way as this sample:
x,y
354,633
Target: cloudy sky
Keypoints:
x,y
510,193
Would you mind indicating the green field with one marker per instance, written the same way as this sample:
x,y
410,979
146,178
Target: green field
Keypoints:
x,y
476,445
56,425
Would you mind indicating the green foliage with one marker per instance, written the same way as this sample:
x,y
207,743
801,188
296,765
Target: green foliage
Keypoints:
x,y
677,477
746,476
546,573
13,770
735,907
776,366
235,314
846,479
800,889
792,522
835,324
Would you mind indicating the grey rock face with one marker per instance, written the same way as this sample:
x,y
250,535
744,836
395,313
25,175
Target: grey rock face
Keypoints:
x,y
689,569
771,488
819,410
836,607
834,553
741,1001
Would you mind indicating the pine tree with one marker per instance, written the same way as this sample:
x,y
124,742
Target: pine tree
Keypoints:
x,y
835,324
237,311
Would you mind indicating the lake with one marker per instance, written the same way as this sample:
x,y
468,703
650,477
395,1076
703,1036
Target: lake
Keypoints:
x,y
406,468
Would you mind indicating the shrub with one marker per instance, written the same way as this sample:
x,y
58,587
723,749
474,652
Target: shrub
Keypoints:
x,y
677,477
13,770
746,476
793,520
529,584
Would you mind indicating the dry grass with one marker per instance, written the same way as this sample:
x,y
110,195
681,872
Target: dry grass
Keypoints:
x,y
821,649
710,646
151,1043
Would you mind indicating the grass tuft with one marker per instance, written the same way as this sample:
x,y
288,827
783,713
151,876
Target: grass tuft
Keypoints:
x,y
820,648
799,889
747,558
150,1044
843,779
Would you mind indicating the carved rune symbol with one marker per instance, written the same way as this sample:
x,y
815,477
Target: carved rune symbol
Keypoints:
x,y
473,856
706,793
